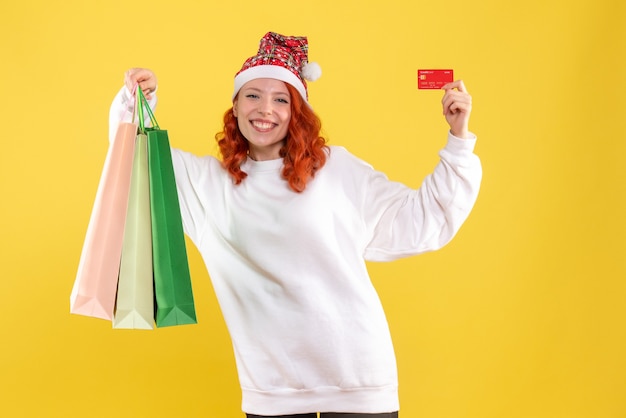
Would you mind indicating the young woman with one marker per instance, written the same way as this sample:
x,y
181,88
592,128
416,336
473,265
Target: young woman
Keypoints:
x,y
285,224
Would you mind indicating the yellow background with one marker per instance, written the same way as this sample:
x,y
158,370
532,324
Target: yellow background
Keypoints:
x,y
522,315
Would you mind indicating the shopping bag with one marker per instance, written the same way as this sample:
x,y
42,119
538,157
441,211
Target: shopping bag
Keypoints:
x,y
95,286
172,279
134,308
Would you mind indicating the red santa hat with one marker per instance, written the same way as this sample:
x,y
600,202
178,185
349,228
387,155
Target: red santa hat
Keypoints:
x,y
283,58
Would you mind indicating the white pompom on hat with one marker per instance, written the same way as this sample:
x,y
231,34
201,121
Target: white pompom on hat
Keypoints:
x,y
283,58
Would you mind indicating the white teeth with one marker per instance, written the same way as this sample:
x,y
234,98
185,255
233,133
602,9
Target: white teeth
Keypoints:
x,y
262,125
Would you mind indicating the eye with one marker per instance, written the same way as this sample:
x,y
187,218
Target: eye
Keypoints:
x,y
281,100
252,96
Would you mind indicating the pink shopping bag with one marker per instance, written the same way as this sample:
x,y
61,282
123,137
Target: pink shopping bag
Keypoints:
x,y
95,285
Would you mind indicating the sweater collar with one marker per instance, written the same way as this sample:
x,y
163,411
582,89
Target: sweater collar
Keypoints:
x,y
251,166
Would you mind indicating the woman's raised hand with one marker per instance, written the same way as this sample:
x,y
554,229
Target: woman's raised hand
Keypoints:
x,y
143,77
457,106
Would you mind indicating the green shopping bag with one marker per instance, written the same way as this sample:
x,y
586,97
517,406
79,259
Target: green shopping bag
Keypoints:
x,y
172,280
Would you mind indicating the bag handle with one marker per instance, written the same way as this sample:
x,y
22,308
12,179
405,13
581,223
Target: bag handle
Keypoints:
x,y
133,94
143,103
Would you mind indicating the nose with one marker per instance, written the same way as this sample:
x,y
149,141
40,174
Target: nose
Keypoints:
x,y
265,107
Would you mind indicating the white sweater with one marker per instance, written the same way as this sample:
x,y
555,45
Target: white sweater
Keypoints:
x,y
307,326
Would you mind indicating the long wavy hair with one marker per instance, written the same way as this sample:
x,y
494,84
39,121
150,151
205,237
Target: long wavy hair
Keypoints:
x,y
303,153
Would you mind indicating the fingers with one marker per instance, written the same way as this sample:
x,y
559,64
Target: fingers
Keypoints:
x,y
142,77
455,101
456,98
457,84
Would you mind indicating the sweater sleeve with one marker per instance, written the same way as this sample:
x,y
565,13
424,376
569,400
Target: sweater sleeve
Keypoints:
x,y
193,174
403,222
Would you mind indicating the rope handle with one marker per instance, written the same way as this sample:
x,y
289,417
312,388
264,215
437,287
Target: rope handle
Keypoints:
x,y
143,104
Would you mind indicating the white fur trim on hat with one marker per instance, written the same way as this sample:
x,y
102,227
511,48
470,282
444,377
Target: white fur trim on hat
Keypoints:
x,y
269,71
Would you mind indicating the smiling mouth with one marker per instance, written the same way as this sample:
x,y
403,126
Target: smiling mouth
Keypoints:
x,y
262,126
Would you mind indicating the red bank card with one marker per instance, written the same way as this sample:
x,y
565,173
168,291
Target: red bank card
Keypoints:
x,y
434,79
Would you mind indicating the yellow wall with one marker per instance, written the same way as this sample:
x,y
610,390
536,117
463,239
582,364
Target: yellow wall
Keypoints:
x,y
522,315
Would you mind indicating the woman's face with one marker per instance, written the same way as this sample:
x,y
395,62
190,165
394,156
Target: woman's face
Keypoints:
x,y
263,112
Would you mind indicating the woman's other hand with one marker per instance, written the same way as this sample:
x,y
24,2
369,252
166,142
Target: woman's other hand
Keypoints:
x,y
143,77
457,106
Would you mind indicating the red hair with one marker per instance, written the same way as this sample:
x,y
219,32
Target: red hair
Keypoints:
x,y
303,154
